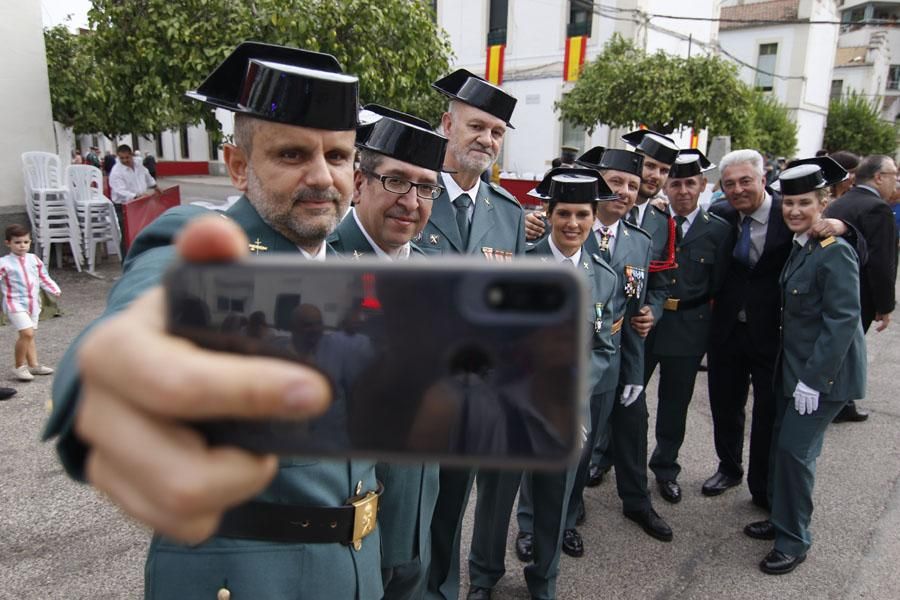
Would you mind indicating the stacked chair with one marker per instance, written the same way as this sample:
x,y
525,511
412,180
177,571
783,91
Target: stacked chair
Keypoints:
x,y
52,216
94,212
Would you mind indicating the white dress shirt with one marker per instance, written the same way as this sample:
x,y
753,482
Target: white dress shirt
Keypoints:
x,y
560,257
613,232
454,190
126,184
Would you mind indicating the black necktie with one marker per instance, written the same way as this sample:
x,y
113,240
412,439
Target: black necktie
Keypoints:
x,y
462,203
679,230
633,215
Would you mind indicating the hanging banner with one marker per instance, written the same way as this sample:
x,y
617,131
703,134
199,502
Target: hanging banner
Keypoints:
x,y
575,51
493,70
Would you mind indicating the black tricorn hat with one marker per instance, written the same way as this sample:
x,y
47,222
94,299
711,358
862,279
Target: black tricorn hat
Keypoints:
x,y
808,174
284,85
690,162
401,136
570,184
591,158
655,145
471,89
622,160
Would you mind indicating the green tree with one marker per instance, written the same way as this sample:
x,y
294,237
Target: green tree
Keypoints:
x,y
854,124
72,80
767,127
147,53
625,86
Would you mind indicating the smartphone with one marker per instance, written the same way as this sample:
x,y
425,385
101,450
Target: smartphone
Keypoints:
x,y
458,361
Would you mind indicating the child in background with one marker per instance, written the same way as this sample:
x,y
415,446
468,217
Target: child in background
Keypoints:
x,y
22,275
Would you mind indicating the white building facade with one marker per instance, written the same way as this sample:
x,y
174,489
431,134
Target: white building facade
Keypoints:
x,y
793,61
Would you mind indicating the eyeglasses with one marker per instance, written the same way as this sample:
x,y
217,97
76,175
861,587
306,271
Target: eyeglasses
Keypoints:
x,y
396,185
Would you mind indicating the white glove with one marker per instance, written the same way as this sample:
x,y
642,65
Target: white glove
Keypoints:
x,y
806,399
630,393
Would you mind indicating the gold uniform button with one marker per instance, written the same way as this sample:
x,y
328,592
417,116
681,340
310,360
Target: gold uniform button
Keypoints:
x,y
223,594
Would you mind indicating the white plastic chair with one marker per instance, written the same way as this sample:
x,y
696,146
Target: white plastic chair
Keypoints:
x,y
94,211
52,219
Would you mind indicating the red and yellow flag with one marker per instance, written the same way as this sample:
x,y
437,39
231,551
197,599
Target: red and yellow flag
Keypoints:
x,y
575,51
695,138
493,70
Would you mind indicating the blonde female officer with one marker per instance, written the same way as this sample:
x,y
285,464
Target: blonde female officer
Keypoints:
x,y
822,363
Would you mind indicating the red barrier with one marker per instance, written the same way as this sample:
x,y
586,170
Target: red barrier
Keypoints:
x,y
142,211
520,188
173,168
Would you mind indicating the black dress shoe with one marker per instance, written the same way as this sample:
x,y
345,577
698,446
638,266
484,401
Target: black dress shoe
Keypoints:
x,y
651,523
777,562
670,491
760,530
525,547
718,483
6,393
572,543
850,414
595,475
478,593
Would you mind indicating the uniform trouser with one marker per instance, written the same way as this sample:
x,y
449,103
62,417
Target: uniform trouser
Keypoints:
x,y
496,495
677,375
446,530
601,408
405,581
796,443
732,365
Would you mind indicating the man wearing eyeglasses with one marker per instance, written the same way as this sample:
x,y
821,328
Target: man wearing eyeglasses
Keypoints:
x,y
865,207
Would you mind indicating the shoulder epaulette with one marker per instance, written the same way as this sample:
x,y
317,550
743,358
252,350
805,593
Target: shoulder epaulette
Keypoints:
x,y
636,228
827,241
500,190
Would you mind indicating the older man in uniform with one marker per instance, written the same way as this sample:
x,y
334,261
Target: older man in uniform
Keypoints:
x,y
394,187
469,217
572,196
120,415
678,342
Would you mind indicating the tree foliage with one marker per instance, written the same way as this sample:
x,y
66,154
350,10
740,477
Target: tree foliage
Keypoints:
x,y
625,86
72,80
767,127
146,53
854,124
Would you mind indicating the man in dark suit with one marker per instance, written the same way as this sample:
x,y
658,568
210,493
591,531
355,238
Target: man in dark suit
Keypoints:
x,y
744,341
865,207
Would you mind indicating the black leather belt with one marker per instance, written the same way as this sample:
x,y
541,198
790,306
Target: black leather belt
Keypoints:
x,y
289,523
676,304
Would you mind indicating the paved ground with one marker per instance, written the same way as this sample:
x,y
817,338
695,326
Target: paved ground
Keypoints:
x,y
58,539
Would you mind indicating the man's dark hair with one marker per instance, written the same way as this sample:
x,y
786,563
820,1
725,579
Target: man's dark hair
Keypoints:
x,y
15,230
869,167
848,160
369,161
244,130
124,148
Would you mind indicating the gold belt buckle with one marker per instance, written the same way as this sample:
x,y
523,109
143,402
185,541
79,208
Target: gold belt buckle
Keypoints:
x,y
671,304
365,511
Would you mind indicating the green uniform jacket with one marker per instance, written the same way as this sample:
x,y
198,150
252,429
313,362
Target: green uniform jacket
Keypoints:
x,y
822,342
702,258
632,253
602,283
656,224
410,491
498,224
248,568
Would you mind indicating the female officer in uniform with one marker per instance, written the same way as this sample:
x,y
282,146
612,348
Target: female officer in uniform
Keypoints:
x,y
822,362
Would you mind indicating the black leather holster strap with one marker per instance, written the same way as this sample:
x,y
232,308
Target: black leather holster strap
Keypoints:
x,y
288,523
676,304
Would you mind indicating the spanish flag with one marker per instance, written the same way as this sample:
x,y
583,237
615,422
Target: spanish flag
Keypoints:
x,y
695,138
575,50
493,70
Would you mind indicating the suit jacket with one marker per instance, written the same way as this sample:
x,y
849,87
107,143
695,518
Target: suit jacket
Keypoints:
x,y
702,256
656,223
873,218
251,568
754,290
630,261
410,491
822,342
498,224
602,284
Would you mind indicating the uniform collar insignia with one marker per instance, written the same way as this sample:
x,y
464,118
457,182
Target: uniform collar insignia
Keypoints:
x,y
257,247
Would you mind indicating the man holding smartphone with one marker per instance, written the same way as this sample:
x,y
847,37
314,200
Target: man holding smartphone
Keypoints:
x,y
393,191
477,218
120,415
